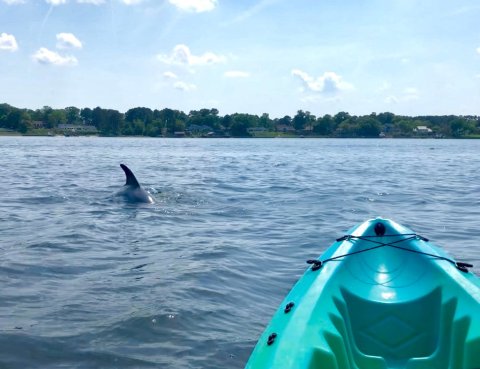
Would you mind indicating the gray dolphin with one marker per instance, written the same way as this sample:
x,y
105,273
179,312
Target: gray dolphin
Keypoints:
x,y
133,192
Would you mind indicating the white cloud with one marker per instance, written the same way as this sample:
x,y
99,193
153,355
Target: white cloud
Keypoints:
x,y
131,2
68,41
8,42
169,75
45,56
315,99
408,94
328,83
254,10
391,100
197,6
184,86
478,50
94,2
385,86
12,2
56,2
181,55
236,74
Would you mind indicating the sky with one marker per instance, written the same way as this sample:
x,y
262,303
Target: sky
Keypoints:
x,y
408,57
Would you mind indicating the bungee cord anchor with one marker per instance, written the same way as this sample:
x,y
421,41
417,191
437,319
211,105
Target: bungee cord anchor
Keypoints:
x,y
380,232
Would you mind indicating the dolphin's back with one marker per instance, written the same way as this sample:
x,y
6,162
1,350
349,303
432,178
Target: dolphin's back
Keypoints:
x,y
132,190
131,180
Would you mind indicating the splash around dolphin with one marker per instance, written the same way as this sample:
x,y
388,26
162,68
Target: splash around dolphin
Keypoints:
x,y
132,190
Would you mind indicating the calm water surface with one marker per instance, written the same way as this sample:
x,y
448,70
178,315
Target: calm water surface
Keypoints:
x,y
88,281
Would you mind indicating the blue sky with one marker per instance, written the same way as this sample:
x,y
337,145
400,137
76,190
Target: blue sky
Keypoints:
x,y
248,56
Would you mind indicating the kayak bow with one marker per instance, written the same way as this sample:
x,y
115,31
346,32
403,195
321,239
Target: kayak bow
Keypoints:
x,y
381,297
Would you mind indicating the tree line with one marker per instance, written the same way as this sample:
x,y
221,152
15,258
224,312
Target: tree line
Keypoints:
x,y
142,121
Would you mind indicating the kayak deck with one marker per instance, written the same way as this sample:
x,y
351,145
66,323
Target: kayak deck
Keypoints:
x,y
383,301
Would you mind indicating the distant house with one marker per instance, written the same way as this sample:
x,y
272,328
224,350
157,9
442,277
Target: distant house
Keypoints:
x,y
179,134
422,130
307,130
37,124
256,130
77,128
284,128
197,129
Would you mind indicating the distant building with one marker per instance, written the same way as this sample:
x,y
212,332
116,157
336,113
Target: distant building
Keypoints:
x,y
307,130
284,128
422,130
77,128
37,124
197,129
256,130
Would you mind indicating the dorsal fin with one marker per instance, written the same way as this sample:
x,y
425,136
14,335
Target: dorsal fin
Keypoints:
x,y
131,180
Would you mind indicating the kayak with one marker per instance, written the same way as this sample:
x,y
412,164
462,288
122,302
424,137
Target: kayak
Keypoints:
x,y
380,297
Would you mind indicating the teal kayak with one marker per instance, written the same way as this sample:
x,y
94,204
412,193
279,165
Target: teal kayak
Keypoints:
x,y
381,297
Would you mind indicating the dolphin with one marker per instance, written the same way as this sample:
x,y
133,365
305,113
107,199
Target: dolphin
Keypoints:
x,y
133,192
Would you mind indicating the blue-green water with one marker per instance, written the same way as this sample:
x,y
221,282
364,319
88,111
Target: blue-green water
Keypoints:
x,y
88,281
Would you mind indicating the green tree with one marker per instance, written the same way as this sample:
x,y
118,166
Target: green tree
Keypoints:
x,y
266,122
99,118
37,115
180,125
303,120
324,126
14,119
347,128
169,118
140,113
386,118
108,122
461,127
154,129
56,117
137,127
282,123
241,123
115,122
5,109
86,114
340,117
204,117
406,126
227,122
368,127
45,114
72,114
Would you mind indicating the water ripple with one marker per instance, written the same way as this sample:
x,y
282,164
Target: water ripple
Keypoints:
x,y
90,281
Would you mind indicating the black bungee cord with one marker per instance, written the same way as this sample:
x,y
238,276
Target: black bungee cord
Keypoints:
x,y
380,230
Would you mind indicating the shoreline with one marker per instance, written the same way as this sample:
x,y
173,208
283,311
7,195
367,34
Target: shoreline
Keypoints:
x,y
18,134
